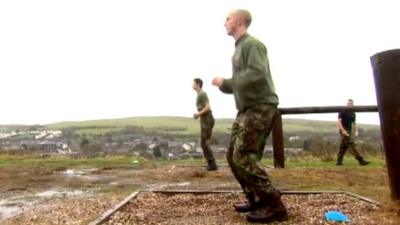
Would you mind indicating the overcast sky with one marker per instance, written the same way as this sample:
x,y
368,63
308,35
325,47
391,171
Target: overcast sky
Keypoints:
x,y
94,59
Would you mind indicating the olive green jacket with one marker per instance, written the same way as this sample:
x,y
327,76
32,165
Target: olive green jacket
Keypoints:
x,y
251,82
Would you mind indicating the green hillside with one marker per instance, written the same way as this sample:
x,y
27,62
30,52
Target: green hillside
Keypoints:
x,y
296,125
182,125
186,125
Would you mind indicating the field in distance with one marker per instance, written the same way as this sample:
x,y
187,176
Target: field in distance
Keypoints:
x,y
189,126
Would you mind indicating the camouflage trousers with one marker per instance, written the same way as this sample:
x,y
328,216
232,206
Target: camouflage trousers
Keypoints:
x,y
347,143
207,124
249,133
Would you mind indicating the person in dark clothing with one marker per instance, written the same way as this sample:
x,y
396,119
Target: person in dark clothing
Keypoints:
x,y
348,130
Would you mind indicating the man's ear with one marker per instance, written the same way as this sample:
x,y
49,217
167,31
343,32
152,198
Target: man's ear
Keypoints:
x,y
240,20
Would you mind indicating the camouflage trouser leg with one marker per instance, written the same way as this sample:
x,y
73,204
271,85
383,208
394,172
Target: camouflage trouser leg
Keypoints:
x,y
347,143
206,132
249,133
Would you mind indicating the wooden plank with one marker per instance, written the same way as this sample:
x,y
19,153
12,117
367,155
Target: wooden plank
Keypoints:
x,y
327,109
111,211
364,198
277,141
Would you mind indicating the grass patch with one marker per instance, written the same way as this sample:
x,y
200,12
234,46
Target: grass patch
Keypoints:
x,y
57,162
315,162
110,162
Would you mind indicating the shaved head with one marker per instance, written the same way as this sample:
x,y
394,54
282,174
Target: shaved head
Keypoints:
x,y
244,15
237,22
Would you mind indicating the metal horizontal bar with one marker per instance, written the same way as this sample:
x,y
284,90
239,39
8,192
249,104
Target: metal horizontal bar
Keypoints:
x,y
327,109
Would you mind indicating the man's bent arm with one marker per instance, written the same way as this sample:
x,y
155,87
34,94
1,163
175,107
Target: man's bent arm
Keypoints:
x,y
226,86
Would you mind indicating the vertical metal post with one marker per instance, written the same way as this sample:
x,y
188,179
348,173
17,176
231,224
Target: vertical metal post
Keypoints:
x,y
386,70
277,141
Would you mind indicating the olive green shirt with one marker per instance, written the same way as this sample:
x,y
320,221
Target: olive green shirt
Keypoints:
x,y
251,82
207,119
201,100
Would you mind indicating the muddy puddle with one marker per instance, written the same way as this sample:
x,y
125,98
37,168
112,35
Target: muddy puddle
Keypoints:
x,y
87,182
166,186
16,201
11,206
94,174
89,174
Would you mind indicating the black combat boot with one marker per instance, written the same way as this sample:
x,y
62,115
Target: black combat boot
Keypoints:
x,y
247,206
339,161
275,211
212,165
362,161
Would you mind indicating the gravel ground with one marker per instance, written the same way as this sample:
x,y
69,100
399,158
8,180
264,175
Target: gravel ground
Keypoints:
x,y
70,211
217,208
157,208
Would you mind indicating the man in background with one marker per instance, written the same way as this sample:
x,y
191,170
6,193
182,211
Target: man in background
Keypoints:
x,y
348,130
206,123
256,102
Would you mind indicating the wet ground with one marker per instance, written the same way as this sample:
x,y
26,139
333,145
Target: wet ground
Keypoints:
x,y
61,186
81,195
15,204
19,199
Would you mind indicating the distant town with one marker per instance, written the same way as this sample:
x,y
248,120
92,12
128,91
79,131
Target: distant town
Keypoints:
x,y
46,142
82,140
